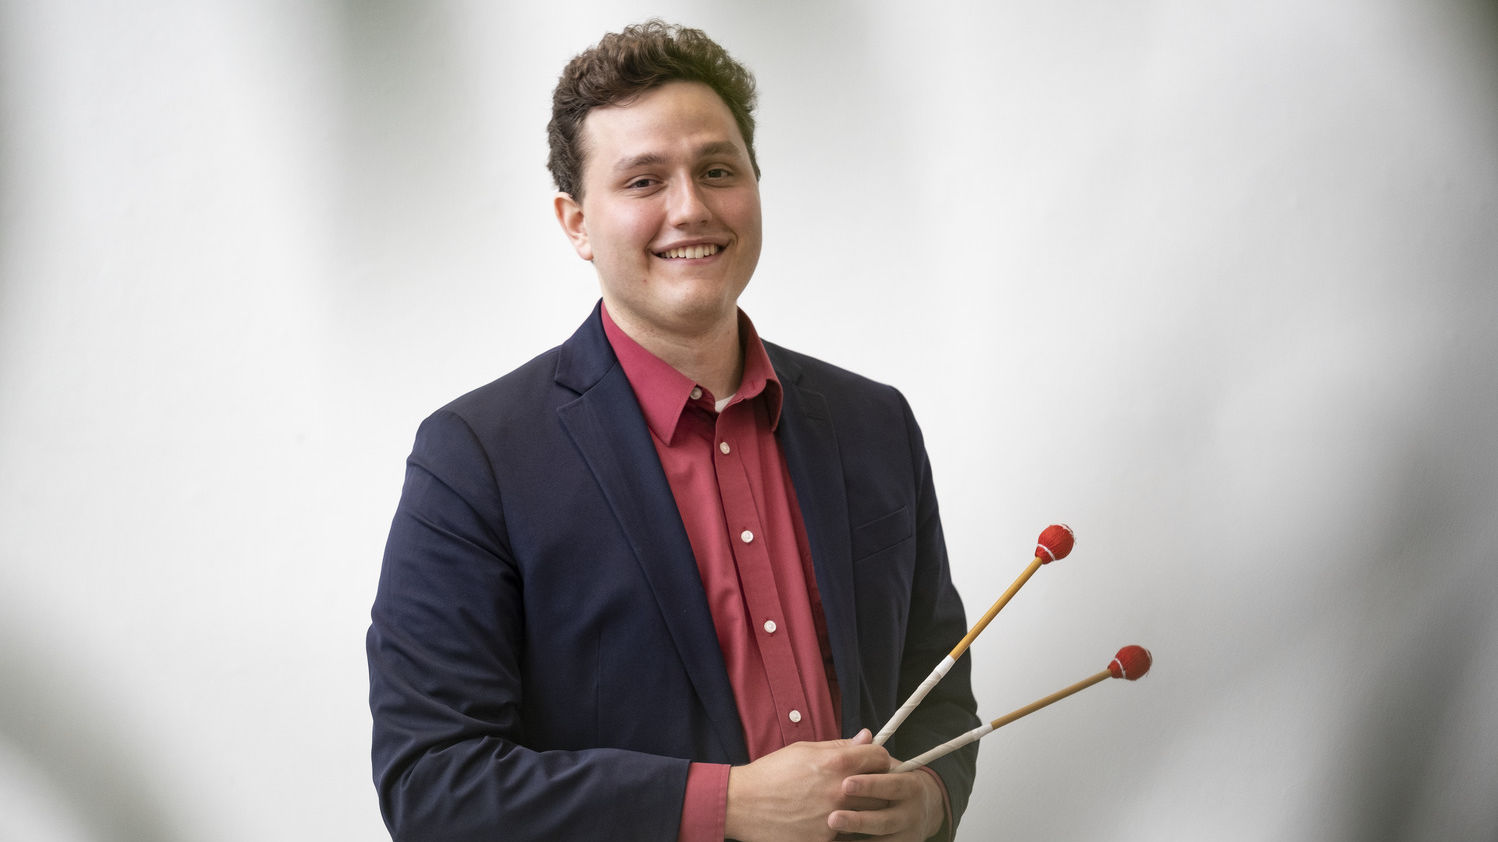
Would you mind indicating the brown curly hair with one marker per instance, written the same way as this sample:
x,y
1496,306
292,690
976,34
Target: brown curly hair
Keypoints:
x,y
624,65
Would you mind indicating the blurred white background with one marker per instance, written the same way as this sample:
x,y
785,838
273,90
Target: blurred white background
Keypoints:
x,y
1216,283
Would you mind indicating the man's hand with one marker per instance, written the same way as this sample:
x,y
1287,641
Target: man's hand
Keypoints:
x,y
789,794
913,807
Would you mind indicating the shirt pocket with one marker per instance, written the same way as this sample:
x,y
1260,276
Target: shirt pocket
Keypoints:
x,y
882,533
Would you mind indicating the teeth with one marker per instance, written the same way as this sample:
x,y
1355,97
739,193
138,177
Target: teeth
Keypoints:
x,y
690,252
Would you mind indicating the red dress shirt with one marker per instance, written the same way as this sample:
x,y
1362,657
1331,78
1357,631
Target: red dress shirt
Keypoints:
x,y
736,500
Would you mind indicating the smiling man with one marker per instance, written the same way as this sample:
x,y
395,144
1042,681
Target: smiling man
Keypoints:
x,y
660,582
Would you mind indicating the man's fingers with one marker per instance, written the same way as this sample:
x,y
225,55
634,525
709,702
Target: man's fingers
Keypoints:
x,y
855,803
911,806
866,822
885,787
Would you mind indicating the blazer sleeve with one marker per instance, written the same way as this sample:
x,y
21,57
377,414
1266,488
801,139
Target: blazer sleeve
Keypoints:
x,y
935,622
445,650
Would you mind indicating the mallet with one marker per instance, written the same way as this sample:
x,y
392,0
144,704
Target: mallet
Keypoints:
x,y
1131,662
1054,544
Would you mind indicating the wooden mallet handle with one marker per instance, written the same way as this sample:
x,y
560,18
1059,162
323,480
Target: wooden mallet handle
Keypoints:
x,y
1131,663
1055,543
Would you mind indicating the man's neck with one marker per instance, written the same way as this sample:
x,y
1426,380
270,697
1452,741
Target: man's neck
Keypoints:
x,y
712,358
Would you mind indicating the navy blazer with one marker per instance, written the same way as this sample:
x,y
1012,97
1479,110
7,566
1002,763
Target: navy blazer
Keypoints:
x,y
542,659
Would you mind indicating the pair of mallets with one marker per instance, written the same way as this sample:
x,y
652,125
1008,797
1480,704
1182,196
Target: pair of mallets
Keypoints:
x,y
1131,662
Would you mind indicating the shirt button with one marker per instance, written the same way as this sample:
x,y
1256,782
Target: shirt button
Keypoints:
x,y
770,627
724,448
746,536
795,716
696,392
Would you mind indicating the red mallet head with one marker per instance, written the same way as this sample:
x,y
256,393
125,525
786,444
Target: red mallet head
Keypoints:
x,y
1131,662
1055,543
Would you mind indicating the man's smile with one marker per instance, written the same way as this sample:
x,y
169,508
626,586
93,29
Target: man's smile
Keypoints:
x,y
690,252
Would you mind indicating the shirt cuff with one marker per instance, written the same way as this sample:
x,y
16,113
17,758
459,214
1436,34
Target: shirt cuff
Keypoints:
x,y
945,834
704,810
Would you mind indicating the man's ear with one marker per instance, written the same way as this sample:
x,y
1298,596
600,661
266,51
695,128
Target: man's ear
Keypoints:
x,y
570,217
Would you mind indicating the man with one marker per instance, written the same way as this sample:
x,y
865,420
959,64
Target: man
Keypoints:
x,y
660,582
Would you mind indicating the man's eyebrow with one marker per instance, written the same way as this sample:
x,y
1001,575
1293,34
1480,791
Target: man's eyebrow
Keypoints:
x,y
651,159
718,147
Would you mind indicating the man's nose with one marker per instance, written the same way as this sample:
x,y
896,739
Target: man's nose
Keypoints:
x,y
687,205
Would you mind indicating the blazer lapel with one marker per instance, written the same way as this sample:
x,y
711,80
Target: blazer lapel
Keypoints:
x,y
606,425
811,454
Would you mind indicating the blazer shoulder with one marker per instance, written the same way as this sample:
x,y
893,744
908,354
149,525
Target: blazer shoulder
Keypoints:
x,y
519,392
545,382
834,382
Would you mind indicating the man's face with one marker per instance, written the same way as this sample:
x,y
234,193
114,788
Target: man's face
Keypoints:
x,y
670,213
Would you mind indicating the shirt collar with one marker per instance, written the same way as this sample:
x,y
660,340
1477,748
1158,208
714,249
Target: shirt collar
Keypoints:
x,y
664,393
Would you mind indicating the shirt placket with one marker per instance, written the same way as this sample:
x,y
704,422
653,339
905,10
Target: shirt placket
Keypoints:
x,y
735,442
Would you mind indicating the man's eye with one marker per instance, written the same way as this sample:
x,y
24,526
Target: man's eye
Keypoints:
x,y
640,183
719,172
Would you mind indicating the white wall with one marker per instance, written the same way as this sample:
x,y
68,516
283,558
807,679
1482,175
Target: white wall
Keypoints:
x,y
1216,283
